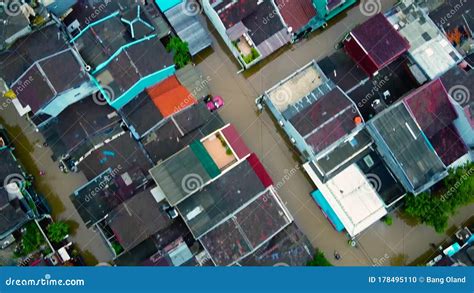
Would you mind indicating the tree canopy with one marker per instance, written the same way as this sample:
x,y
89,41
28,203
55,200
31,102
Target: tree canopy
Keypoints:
x,y
434,208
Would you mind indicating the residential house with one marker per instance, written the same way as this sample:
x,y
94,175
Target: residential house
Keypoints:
x,y
80,128
185,22
375,44
406,149
339,155
305,16
221,189
121,48
252,30
430,50
460,85
460,252
45,74
14,26
59,7
432,109
457,26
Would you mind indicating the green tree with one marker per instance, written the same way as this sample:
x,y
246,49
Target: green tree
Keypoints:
x,y
319,260
58,231
452,193
180,51
31,239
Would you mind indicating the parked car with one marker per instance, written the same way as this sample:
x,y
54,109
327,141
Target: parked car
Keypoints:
x,y
214,103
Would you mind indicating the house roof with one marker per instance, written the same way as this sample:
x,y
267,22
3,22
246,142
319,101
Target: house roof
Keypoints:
x,y
351,196
121,153
298,14
192,123
12,216
134,63
238,236
432,109
192,79
188,27
460,84
26,51
397,133
137,219
170,96
104,193
290,248
141,114
48,78
10,165
79,127
429,48
375,43
327,120
216,201
261,27
231,12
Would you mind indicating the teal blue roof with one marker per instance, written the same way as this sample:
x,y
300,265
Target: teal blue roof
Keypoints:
x,y
167,4
324,205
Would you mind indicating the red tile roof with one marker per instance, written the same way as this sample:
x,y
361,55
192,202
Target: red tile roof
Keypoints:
x,y
236,141
260,170
297,13
170,97
433,111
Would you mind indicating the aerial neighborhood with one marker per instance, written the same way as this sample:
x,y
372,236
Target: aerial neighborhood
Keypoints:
x,y
236,133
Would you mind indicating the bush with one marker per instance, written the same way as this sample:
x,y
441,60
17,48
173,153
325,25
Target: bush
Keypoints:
x,y
319,260
58,231
454,192
180,51
31,240
388,220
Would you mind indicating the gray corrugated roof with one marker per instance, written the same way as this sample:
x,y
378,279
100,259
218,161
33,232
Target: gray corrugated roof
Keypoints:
x,y
189,29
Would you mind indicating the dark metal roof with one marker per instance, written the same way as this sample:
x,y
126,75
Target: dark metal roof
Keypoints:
x,y
141,114
290,247
397,133
12,216
189,28
221,198
122,153
79,127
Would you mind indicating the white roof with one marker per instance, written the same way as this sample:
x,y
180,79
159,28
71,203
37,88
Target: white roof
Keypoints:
x,y
352,197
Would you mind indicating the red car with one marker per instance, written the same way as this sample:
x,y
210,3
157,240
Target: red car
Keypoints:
x,y
214,103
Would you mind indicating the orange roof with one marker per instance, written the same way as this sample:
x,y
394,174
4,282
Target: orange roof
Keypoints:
x,y
169,96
